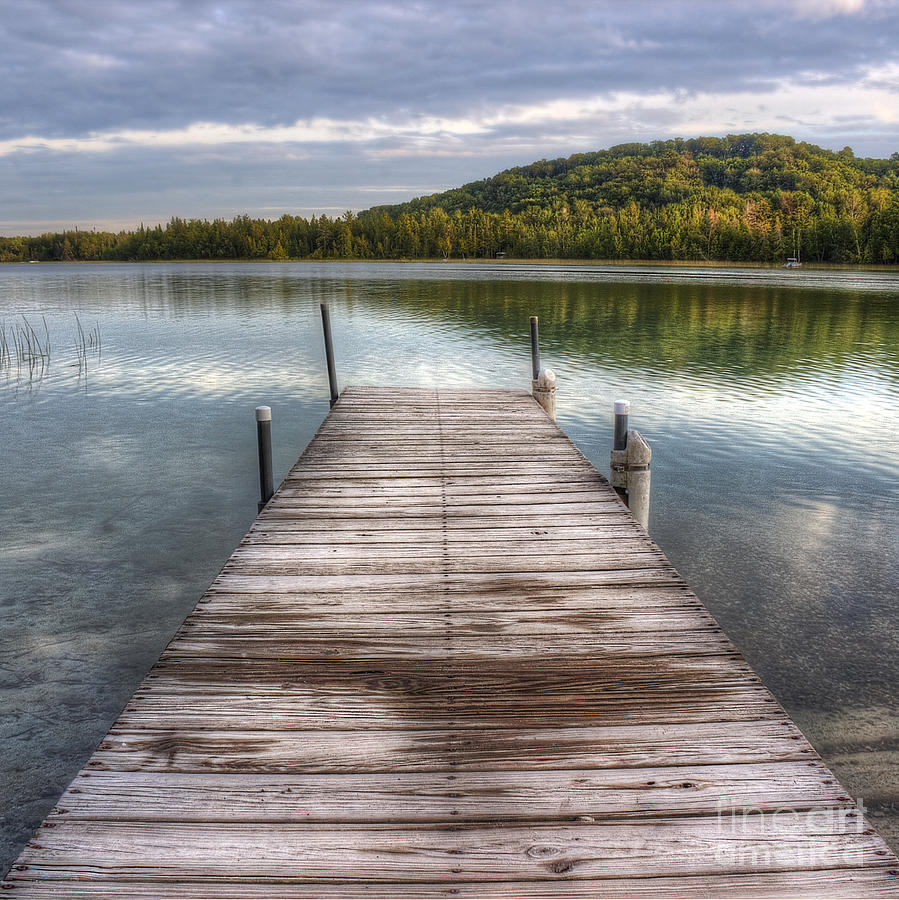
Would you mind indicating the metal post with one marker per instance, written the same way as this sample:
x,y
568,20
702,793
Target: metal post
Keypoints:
x,y
329,353
264,438
630,475
535,349
622,410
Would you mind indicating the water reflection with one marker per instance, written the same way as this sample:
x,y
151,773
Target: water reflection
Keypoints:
x,y
770,399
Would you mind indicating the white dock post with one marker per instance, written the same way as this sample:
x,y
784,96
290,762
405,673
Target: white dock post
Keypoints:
x,y
544,389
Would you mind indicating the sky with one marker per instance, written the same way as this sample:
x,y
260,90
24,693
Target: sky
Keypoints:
x,y
117,112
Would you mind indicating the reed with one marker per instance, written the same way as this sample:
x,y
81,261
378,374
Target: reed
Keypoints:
x,y
86,342
28,349
21,345
80,345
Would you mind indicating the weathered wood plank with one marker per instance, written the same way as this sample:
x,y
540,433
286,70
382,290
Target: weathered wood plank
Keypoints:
x,y
470,446
355,470
559,678
306,853
429,488
651,598
261,713
369,543
573,554
446,583
568,797
486,649
514,622
538,512
292,520
414,507
271,561
874,881
334,751
437,488
434,429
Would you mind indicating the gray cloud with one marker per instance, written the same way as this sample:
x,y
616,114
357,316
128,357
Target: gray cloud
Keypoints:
x,y
70,69
74,67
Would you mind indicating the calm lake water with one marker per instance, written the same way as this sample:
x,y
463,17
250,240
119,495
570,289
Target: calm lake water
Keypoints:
x,y
770,398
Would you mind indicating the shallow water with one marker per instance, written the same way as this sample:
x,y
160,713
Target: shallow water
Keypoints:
x,y
770,398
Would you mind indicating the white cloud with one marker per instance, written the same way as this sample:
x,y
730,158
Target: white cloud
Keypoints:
x,y
826,9
884,76
79,60
811,104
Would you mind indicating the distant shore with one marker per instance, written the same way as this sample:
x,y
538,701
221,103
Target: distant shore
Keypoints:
x,y
524,261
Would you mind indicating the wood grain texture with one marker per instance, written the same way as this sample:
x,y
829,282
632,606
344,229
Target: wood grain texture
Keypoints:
x,y
307,853
571,796
446,662
545,749
872,881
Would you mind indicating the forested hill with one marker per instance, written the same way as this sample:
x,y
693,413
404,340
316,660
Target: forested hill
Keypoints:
x,y
715,170
751,197
743,197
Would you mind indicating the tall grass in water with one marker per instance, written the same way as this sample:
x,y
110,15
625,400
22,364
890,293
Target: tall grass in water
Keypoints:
x,y
86,342
23,346
27,349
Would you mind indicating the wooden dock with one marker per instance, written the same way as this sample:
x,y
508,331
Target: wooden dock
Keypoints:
x,y
445,661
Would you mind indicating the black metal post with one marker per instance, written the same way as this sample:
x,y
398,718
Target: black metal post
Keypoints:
x,y
329,353
264,437
535,348
622,408
619,441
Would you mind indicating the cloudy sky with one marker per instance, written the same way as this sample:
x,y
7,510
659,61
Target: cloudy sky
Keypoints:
x,y
114,112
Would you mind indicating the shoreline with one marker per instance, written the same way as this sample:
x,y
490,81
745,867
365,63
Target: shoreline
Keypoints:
x,y
508,261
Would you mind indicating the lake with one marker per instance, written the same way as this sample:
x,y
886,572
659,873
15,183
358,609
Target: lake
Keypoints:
x,y
770,399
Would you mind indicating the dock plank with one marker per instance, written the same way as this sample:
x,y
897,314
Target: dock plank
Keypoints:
x,y
872,881
571,796
421,853
283,751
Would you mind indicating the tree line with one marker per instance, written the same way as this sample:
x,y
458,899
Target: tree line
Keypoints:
x,y
744,198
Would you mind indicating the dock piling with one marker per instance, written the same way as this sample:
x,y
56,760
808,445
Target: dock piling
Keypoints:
x,y
329,353
629,464
264,440
535,350
544,389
